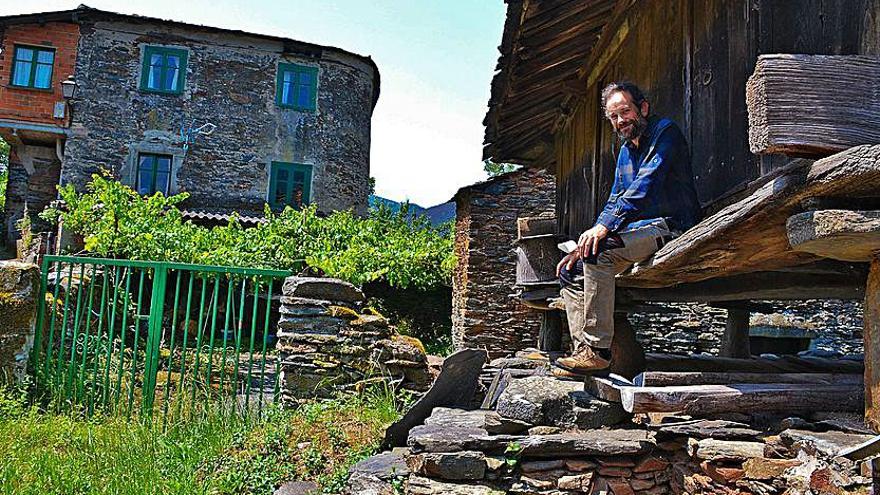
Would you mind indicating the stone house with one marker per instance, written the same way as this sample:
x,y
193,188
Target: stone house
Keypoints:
x,y
290,119
485,312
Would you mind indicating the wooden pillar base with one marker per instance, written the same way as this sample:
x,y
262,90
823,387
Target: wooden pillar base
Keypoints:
x,y
872,346
550,334
627,355
735,343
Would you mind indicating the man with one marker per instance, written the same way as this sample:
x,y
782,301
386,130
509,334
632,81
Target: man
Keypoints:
x,y
653,199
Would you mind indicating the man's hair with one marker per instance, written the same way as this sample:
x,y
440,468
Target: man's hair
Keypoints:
x,y
637,96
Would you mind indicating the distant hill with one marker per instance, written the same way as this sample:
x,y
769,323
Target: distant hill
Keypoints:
x,y
437,214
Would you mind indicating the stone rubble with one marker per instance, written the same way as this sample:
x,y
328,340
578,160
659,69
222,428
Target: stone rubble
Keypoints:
x,y
522,448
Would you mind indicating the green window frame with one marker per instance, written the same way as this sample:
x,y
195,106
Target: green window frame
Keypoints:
x,y
296,87
290,184
153,173
163,70
32,67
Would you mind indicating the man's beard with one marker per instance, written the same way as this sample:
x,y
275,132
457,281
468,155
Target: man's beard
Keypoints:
x,y
636,129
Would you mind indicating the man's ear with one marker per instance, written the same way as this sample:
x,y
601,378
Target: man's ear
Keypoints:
x,y
644,108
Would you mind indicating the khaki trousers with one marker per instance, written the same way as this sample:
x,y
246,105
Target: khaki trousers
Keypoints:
x,y
590,311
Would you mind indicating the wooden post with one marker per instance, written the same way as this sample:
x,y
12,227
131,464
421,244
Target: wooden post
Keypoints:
x,y
872,346
627,355
735,342
550,334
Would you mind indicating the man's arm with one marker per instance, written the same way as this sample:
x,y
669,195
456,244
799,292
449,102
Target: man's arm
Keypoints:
x,y
637,195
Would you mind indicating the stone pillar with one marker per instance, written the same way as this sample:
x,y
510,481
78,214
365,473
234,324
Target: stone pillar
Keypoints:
x,y
19,285
328,344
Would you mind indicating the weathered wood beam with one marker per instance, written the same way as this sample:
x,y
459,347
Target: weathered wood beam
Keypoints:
x,y
606,388
670,378
735,341
788,364
743,397
871,337
813,105
838,234
750,235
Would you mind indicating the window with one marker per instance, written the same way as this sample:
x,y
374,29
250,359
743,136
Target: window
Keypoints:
x,y
163,70
153,174
290,184
297,87
32,67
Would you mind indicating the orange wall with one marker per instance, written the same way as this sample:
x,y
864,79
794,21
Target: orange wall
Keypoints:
x,y
36,105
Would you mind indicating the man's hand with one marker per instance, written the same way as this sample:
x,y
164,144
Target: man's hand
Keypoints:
x,y
568,261
589,240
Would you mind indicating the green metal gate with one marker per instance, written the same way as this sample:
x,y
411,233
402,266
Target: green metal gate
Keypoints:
x,y
146,337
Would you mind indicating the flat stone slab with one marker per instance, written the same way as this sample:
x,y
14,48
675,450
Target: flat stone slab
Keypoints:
x,y
298,488
445,416
322,288
374,475
449,465
710,449
826,444
535,399
497,424
418,485
438,438
706,428
592,442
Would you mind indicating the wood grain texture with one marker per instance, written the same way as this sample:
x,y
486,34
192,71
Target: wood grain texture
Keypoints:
x,y
669,378
872,347
813,105
788,364
743,397
750,235
838,234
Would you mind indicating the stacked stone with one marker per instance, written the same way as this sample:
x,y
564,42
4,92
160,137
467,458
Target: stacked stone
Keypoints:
x,y
549,437
19,285
328,344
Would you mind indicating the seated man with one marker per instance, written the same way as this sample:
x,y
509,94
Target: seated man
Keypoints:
x,y
653,199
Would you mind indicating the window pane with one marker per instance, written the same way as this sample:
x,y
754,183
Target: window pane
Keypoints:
x,y
145,182
171,79
146,162
156,59
297,199
22,74
43,77
288,76
285,94
164,164
172,61
154,79
304,96
162,179
306,78
24,54
45,57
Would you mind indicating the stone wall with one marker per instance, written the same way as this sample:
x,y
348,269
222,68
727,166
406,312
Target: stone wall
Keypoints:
x,y
231,82
19,285
699,327
33,175
485,314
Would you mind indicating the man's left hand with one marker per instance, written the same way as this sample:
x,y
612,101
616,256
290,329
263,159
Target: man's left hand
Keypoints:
x,y
589,241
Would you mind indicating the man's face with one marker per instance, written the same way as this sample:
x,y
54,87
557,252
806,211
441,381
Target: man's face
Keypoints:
x,y
628,121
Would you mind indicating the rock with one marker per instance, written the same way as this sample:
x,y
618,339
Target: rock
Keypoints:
x,y
650,464
825,444
639,485
722,430
534,398
620,487
497,424
449,466
535,466
322,288
418,485
591,442
298,488
290,326
761,468
615,472
579,465
436,438
721,474
375,475
710,449
544,430
593,413
576,482
758,488
515,362
612,461
445,416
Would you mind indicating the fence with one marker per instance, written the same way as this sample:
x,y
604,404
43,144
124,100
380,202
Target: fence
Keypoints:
x,y
147,337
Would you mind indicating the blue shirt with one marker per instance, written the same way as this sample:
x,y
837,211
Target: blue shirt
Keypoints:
x,y
653,181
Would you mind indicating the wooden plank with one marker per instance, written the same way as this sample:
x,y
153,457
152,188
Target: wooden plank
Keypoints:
x,y
743,397
750,235
838,234
813,105
735,341
871,338
606,388
862,450
670,378
673,362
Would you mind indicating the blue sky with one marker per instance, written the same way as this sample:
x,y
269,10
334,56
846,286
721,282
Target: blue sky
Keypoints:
x,y
436,58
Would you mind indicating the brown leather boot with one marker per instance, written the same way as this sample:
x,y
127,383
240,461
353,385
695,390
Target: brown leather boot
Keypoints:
x,y
585,360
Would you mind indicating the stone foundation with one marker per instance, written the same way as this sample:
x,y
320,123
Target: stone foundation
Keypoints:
x,y
328,343
19,285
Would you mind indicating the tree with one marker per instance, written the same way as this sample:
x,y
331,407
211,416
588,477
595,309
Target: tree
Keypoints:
x,y
495,169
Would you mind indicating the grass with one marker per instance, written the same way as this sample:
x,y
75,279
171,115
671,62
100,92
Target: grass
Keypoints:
x,y
56,452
